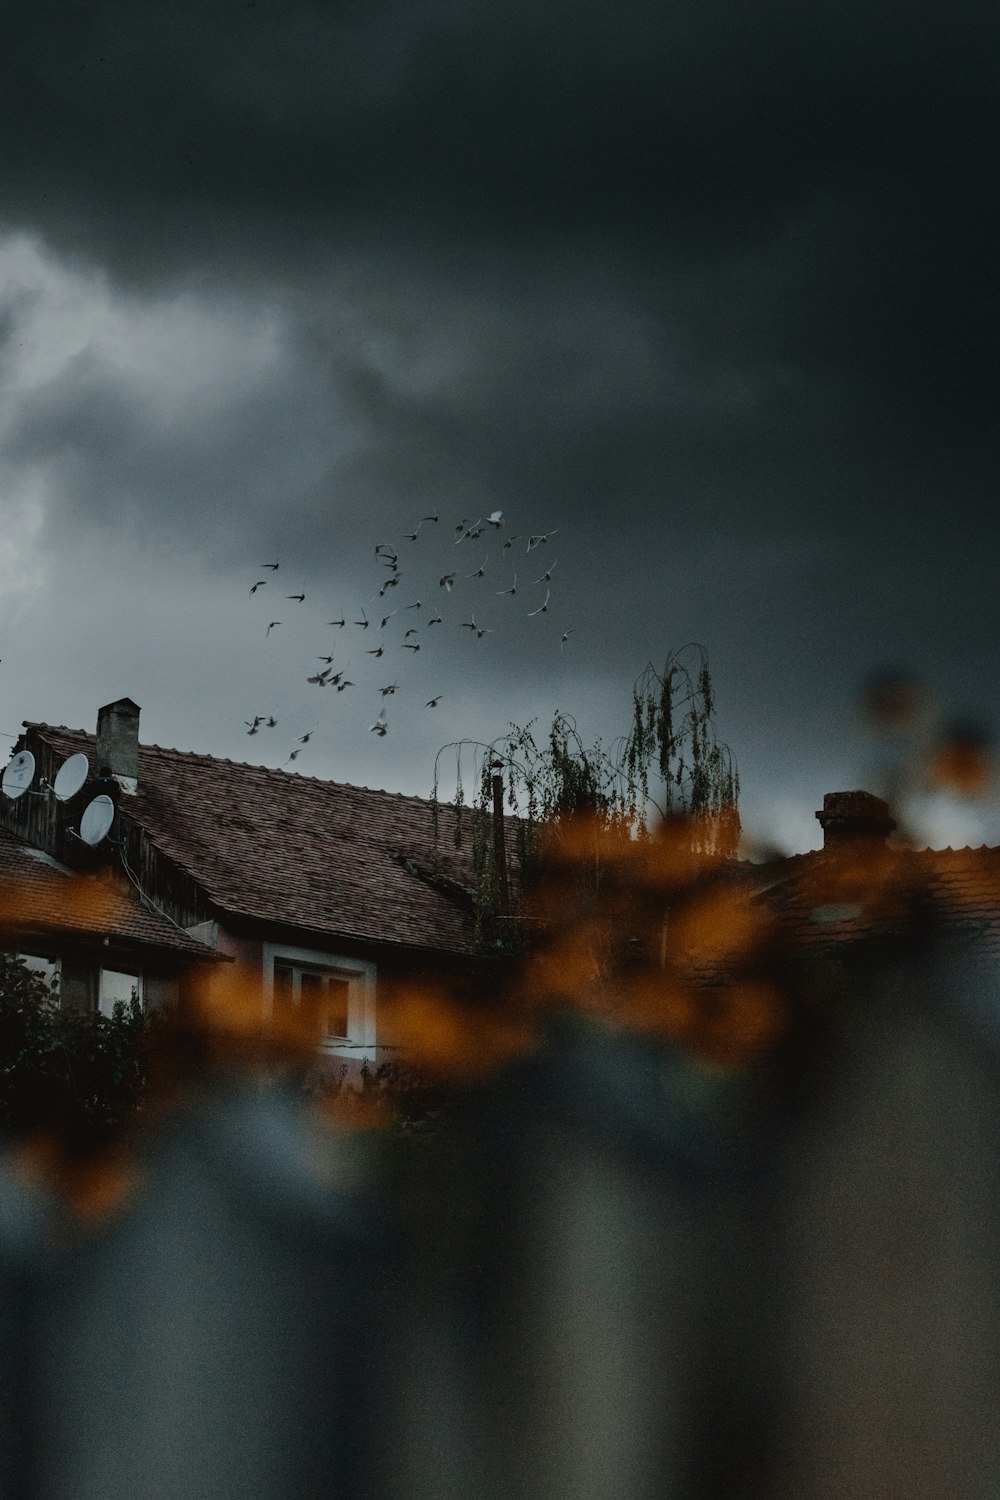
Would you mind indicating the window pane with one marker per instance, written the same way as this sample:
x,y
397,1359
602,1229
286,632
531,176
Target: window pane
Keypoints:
x,y
115,986
313,991
337,1013
284,988
77,987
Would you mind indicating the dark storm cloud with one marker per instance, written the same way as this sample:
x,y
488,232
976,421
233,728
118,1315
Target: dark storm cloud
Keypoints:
x,y
687,280
674,138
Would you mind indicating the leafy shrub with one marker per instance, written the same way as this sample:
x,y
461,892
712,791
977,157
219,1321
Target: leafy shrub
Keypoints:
x,y
76,1075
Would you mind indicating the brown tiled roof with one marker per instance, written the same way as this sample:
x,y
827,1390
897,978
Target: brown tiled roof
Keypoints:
x,y
333,859
39,898
839,897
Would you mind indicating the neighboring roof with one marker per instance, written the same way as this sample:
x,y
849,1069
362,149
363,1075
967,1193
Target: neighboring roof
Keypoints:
x,y
39,897
333,859
836,897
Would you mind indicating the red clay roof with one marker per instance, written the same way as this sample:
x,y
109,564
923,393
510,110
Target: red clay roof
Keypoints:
x,y
289,849
39,898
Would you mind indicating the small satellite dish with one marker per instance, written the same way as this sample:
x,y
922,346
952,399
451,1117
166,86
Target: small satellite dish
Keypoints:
x,y
97,819
18,774
71,776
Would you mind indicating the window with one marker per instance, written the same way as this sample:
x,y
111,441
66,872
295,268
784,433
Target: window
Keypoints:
x,y
320,1000
115,986
330,997
83,986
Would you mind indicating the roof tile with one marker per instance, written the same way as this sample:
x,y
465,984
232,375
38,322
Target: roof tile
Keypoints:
x,y
284,848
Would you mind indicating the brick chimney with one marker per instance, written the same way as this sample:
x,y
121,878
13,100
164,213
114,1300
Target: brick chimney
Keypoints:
x,y
117,745
848,816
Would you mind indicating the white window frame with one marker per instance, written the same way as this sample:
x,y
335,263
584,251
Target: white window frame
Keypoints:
x,y
360,975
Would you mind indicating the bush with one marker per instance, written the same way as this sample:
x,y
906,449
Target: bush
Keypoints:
x,y
76,1075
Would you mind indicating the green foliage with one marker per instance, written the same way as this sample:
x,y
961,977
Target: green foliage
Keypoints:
x,y
669,764
77,1075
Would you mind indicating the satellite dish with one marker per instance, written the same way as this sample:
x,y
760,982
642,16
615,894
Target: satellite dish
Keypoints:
x,y
97,819
18,774
71,776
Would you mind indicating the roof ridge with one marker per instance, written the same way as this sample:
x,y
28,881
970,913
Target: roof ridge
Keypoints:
x,y
226,760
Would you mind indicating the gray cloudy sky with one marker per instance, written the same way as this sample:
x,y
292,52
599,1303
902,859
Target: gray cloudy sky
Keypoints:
x,y
709,287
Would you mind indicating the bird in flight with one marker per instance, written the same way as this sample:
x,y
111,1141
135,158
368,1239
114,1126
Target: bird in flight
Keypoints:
x,y
273,623
547,574
479,571
411,645
470,531
435,620
412,631
274,566
294,756
321,678
298,597
345,684
415,605
389,689
386,619
512,589
380,726
254,724
376,651
542,608
339,623
495,518
428,518
446,581
542,536
363,622
327,659
565,637
271,721
433,702
510,542
305,738
260,584
480,630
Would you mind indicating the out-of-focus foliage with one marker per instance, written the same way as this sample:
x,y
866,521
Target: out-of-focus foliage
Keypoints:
x,y
396,1096
76,1076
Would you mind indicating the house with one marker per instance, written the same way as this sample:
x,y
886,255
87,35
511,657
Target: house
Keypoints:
x,y
861,891
323,896
93,933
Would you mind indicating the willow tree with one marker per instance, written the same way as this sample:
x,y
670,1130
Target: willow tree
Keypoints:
x,y
669,767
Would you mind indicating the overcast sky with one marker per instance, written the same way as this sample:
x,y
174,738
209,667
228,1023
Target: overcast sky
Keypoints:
x,y
708,289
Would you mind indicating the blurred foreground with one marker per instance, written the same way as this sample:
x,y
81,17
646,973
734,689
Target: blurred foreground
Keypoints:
x,y
679,1212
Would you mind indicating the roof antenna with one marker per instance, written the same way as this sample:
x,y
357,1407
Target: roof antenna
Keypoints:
x,y
18,775
95,825
71,776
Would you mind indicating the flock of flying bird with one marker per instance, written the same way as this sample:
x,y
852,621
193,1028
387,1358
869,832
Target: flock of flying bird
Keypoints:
x,y
387,557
